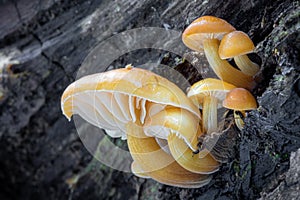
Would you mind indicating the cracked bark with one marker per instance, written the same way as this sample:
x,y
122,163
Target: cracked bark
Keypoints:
x,y
46,41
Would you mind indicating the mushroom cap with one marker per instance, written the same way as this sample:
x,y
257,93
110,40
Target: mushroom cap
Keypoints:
x,y
185,157
159,165
240,99
209,87
173,119
181,129
202,28
235,43
137,170
111,99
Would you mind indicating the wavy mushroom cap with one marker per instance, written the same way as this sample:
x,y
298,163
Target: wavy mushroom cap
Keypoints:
x,y
111,99
173,120
202,28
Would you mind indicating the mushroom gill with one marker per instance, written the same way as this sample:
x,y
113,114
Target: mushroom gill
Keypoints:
x,y
121,101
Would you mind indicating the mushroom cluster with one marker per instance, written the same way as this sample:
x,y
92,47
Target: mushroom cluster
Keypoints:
x,y
150,112
205,34
163,125
221,41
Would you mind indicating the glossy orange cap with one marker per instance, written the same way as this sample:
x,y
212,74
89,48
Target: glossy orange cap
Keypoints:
x,y
239,99
234,44
205,27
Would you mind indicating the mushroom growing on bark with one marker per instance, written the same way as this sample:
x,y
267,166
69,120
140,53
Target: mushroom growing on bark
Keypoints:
x,y
208,94
123,101
237,45
239,100
205,34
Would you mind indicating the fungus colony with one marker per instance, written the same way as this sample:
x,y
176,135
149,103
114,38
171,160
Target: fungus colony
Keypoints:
x,y
150,111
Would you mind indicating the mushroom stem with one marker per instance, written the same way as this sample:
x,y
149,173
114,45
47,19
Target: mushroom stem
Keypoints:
x,y
158,164
209,114
203,163
223,69
239,121
246,65
176,120
182,130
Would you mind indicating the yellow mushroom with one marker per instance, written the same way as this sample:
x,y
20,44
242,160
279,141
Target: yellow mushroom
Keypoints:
x,y
239,100
178,127
158,164
116,99
208,94
111,99
237,45
204,34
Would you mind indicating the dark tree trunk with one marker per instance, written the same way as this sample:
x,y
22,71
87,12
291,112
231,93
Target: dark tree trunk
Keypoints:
x,y
42,45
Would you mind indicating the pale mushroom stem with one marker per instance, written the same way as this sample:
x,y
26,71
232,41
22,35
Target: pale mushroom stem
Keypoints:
x,y
246,65
210,117
159,165
182,135
186,158
239,122
223,69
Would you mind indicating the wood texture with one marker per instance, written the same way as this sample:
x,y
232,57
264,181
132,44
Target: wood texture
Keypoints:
x,y
43,43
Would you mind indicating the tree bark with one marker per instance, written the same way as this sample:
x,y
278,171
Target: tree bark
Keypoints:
x,y
44,42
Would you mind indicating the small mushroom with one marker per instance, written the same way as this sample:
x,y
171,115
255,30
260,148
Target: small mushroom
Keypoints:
x,y
239,100
205,34
237,45
208,94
